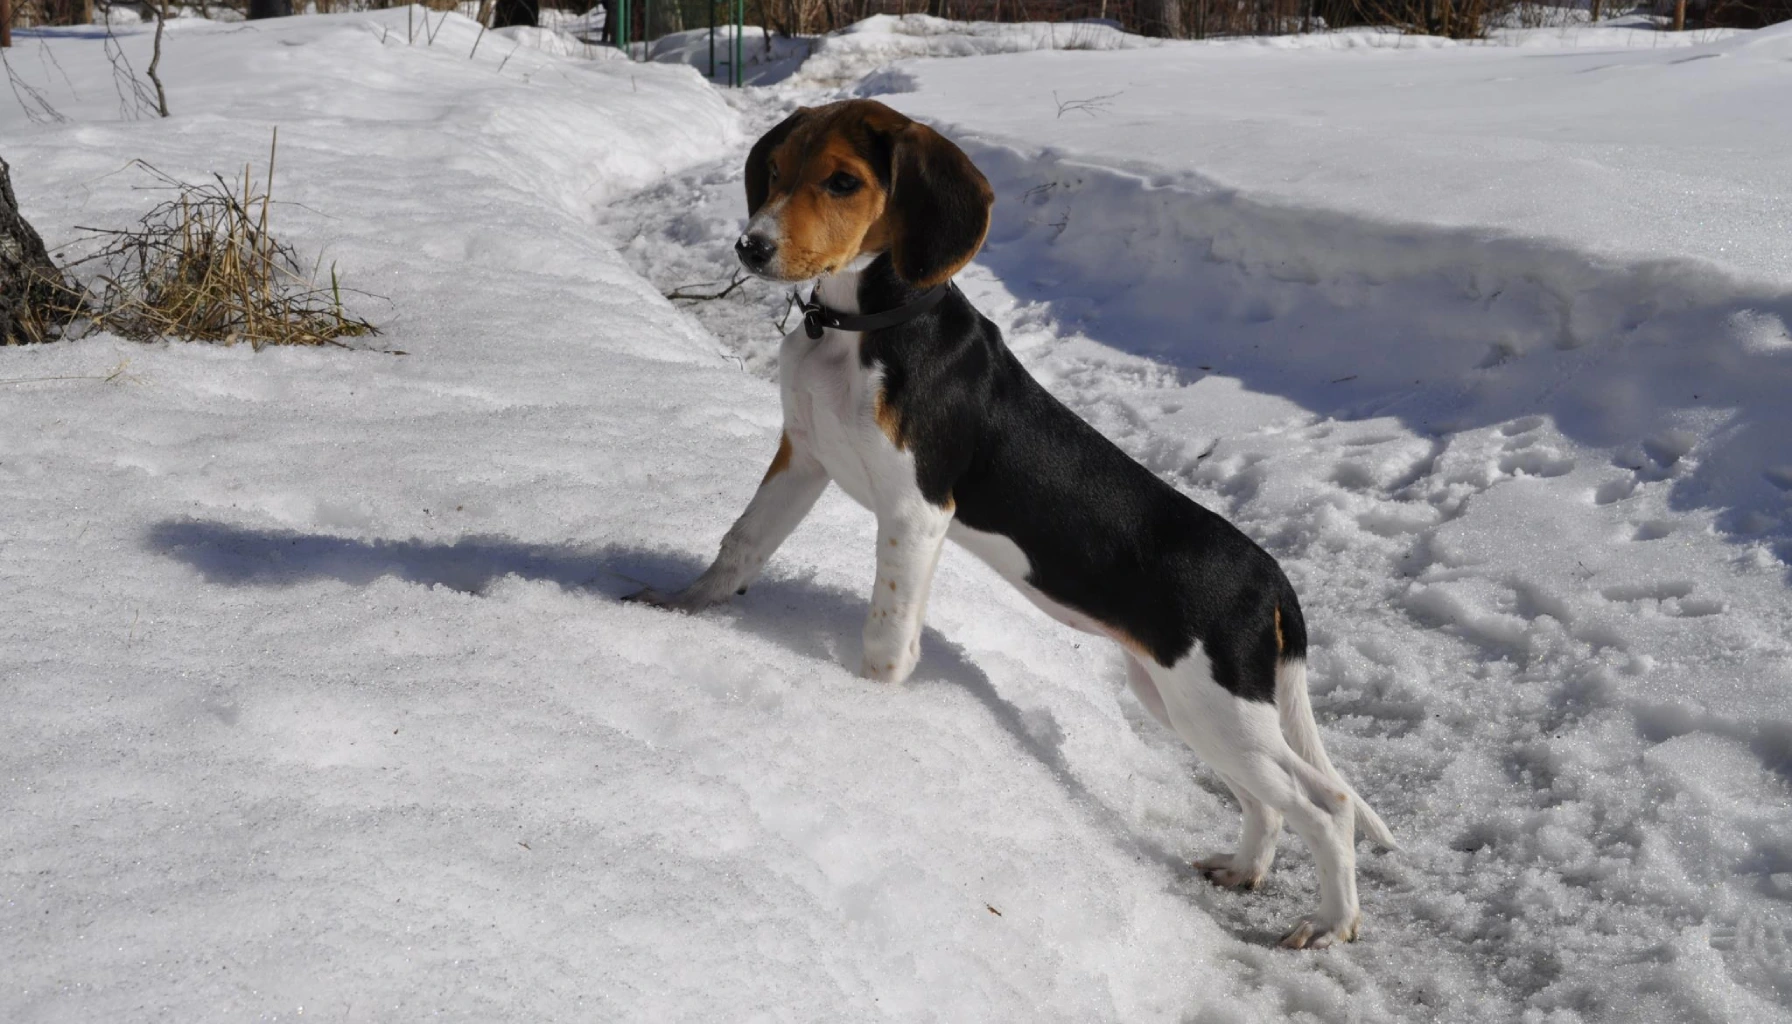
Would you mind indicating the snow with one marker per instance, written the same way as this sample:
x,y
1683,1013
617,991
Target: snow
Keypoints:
x,y
320,700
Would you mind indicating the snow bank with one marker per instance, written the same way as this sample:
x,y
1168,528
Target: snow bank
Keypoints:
x,y
867,47
861,54
844,57
765,58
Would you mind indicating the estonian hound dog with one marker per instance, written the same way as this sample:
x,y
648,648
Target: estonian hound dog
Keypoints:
x,y
898,390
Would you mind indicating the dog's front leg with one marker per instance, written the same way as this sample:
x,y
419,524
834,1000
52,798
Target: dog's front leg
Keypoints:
x,y
789,490
909,538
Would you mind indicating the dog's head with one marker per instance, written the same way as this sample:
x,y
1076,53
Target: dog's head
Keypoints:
x,y
830,184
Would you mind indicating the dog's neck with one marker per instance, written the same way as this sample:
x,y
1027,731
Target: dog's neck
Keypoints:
x,y
839,291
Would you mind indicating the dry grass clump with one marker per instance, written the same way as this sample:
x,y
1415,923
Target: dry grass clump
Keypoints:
x,y
203,266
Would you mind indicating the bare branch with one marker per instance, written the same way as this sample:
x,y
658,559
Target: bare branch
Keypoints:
x,y
1091,106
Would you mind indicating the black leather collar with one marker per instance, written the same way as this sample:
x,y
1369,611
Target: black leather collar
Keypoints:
x,y
817,317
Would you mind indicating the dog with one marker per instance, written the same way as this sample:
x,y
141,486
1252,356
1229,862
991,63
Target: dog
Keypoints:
x,y
899,391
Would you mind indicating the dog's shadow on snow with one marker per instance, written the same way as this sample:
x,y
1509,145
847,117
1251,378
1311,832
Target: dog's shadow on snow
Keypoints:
x,y
811,619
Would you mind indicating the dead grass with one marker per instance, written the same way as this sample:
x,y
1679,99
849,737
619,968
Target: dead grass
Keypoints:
x,y
203,266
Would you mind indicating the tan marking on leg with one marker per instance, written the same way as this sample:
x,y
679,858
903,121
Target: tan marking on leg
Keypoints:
x,y
780,461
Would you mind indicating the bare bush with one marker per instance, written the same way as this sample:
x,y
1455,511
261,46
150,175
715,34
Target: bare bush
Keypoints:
x,y
203,266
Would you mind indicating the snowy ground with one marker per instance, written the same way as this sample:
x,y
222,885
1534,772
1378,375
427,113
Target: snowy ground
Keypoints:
x,y
320,701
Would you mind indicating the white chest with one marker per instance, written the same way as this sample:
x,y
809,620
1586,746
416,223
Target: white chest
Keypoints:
x,y
830,408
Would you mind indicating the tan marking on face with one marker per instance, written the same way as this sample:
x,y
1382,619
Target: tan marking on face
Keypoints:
x,y
1281,644
822,232
780,461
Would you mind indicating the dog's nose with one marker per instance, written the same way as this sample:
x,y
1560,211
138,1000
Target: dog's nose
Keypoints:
x,y
755,251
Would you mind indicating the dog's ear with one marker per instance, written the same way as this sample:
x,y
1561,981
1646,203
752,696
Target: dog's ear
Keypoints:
x,y
758,170
938,206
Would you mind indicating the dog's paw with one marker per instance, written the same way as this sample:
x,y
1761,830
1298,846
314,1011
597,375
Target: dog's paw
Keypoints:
x,y
1219,871
889,662
889,653
1314,932
886,671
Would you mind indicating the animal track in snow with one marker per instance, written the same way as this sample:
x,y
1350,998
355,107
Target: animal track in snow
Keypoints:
x,y
1542,462
1614,490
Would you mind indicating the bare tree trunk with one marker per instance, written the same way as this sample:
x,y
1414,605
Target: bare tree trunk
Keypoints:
x,y
5,22
270,9
1161,18
32,289
517,12
161,97
1679,15
1596,6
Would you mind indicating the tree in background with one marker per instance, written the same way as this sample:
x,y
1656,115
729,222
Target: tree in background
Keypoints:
x,y
269,9
67,12
507,13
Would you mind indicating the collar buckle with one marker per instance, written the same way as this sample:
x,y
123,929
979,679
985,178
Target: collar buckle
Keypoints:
x,y
812,318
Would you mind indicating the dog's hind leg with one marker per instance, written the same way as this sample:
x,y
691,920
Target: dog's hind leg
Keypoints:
x,y
1243,741
1246,867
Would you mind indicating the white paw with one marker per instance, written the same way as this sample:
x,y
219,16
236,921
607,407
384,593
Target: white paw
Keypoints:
x,y
889,662
1219,871
1314,932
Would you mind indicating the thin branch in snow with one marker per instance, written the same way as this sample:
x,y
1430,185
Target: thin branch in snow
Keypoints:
x,y
512,53
485,7
27,94
47,57
117,374
739,279
1092,106
129,107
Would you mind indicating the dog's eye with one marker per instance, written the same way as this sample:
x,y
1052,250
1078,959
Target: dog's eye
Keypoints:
x,y
772,169
841,184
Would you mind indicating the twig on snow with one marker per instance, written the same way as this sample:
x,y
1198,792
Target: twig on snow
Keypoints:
x,y
680,292
28,94
1092,106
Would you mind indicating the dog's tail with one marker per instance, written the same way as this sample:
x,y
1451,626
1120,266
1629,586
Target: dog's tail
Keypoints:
x,y
1302,733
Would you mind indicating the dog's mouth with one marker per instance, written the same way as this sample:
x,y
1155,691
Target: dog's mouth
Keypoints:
x,y
765,273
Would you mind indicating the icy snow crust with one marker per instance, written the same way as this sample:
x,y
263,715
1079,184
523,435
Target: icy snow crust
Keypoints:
x,y
320,703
